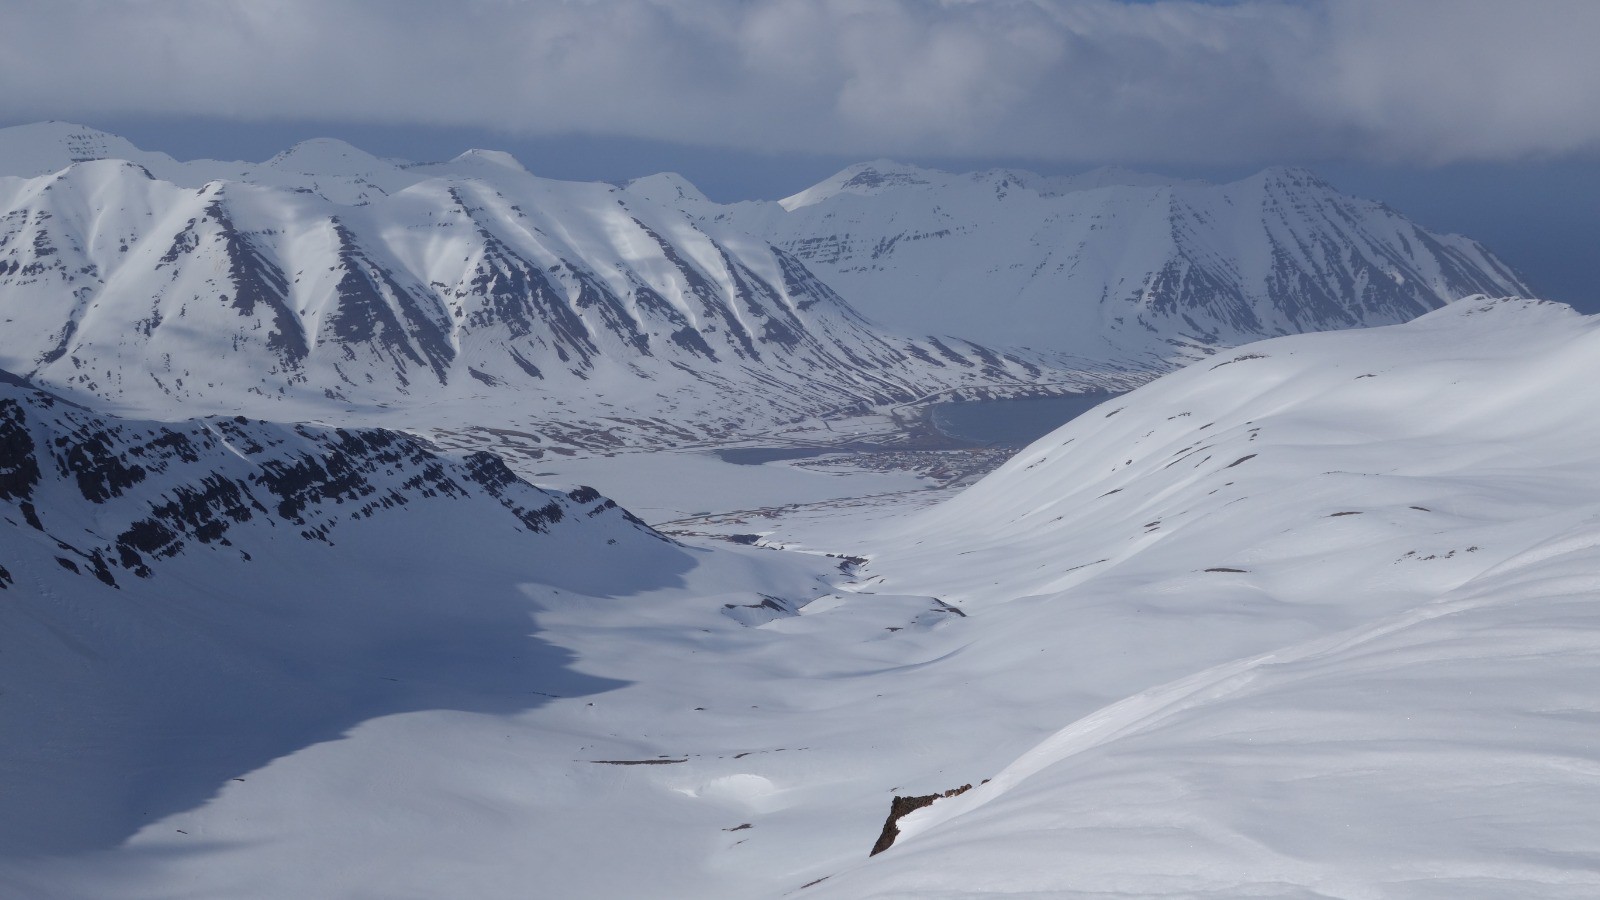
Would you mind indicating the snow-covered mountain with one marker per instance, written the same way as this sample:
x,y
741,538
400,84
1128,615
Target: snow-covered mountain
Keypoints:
x,y
184,602
188,487
326,281
1111,264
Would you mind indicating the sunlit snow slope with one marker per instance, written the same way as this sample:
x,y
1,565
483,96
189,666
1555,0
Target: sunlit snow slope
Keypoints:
x,y
1317,619
1111,264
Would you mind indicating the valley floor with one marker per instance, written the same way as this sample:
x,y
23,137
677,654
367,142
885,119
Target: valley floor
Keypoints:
x,y
742,751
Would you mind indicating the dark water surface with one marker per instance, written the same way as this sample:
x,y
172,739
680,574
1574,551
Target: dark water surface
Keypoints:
x,y
1011,423
975,423
755,456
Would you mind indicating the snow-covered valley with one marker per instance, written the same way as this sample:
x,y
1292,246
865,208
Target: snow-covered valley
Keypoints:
x,y
1314,619
380,529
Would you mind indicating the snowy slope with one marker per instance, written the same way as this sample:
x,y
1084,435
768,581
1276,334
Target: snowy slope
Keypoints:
x,y
458,286
1443,752
1110,264
1316,620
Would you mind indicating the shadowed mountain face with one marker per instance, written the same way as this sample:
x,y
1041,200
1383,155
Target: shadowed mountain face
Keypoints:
x,y
1112,264
281,290
210,595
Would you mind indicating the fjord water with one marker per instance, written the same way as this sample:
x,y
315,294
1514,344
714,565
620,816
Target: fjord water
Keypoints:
x,y
977,423
1012,423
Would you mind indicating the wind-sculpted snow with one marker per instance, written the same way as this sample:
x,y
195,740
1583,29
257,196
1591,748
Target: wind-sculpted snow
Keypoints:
x,y
1112,264
179,289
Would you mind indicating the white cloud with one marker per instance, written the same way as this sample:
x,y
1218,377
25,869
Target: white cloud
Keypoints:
x,y
1418,80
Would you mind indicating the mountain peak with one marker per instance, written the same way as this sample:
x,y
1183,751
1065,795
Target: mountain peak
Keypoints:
x,y
867,179
887,172
57,130
1291,176
497,158
1178,267
40,148
875,177
667,188
325,156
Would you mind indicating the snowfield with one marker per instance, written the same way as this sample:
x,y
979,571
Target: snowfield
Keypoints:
x,y
1315,618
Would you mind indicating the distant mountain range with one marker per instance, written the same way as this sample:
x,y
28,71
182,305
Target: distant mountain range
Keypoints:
x,y
326,284
1111,264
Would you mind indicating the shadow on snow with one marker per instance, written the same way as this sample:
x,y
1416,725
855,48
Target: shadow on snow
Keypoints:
x,y
122,707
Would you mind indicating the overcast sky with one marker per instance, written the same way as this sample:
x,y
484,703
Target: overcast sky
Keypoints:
x,y
1425,99
1177,81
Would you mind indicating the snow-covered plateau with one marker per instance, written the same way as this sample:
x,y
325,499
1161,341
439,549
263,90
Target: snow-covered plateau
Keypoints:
x,y
1314,618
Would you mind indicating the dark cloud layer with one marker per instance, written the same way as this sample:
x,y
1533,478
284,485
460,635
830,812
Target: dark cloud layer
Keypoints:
x,y
1426,81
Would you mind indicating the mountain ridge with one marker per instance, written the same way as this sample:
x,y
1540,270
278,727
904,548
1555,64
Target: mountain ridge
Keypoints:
x,y
329,283
486,282
1113,264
